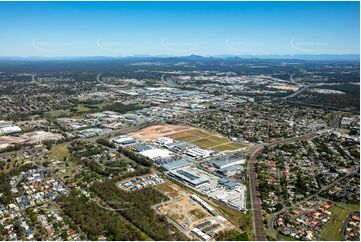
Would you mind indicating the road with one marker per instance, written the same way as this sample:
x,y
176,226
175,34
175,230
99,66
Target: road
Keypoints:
x,y
33,80
335,122
302,89
102,83
293,80
259,231
288,140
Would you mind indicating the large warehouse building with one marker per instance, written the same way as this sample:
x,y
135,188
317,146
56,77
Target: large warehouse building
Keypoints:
x,y
189,176
175,164
157,153
8,128
227,160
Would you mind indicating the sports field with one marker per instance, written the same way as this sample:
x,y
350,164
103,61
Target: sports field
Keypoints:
x,y
200,137
206,140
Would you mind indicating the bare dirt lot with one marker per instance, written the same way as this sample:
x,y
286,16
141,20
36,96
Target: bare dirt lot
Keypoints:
x,y
154,132
185,211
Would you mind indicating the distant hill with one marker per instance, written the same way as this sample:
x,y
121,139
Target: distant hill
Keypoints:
x,y
323,57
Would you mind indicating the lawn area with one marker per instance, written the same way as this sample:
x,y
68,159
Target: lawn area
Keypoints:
x,y
66,112
218,139
102,105
197,132
206,140
333,228
237,218
66,170
182,136
82,109
230,146
58,113
59,152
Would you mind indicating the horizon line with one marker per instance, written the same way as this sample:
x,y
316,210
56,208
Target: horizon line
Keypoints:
x,y
167,55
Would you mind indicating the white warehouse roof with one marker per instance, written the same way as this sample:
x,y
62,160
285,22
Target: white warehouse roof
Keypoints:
x,y
10,129
155,153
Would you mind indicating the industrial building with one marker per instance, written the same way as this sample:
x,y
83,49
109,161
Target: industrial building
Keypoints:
x,y
198,153
200,234
204,204
164,141
179,146
124,140
8,128
227,160
141,147
175,164
157,153
227,183
189,176
231,170
86,133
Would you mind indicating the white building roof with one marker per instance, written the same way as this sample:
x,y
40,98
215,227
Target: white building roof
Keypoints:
x,y
155,153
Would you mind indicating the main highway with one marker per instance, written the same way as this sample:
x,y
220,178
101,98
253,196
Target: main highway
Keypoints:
x,y
259,231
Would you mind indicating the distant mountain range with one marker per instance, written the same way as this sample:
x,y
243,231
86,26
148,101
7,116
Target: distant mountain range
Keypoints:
x,y
323,57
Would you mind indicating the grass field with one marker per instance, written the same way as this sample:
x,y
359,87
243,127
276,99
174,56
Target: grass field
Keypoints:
x,y
332,230
66,112
59,152
206,140
58,113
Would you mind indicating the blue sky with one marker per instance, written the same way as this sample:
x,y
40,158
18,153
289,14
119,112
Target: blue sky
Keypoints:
x,y
178,28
